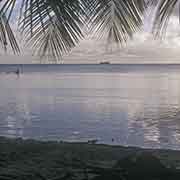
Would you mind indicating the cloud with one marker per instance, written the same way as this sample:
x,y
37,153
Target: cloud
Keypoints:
x,y
143,48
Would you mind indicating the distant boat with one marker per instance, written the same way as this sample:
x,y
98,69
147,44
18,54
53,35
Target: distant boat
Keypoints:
x,y
105,62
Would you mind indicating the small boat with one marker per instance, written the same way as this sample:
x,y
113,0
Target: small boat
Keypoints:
x,y
105,62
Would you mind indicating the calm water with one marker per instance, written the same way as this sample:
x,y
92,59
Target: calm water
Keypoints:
x,y
136,105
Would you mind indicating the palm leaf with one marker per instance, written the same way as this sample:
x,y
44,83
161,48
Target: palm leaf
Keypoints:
x,y
164,11
54,27
118,20
51,43
6,34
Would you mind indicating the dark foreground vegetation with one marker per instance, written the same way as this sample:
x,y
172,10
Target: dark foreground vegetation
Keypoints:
x,y
34,160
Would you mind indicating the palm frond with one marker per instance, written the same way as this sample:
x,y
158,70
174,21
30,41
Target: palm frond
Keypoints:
x,y
52,27
51,43
6,34
164,11
118,20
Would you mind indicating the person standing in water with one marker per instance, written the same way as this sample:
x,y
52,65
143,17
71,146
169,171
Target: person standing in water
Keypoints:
x,y
18,72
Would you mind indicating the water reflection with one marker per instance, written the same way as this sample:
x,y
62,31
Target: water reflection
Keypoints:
x,y
134,108
14,119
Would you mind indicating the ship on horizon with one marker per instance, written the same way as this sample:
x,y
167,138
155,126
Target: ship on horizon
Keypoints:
x,y
104,62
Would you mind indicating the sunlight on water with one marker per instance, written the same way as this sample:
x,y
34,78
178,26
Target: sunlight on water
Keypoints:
x,y
132,108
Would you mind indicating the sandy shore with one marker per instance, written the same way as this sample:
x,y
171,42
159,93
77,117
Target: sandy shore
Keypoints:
x,y
29,159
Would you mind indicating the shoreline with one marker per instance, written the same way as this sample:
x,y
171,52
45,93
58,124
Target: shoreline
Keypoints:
x,y
92,64
20,157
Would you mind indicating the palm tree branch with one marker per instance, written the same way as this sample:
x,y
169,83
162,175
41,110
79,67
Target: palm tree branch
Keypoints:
x,y
117,19
56,26
163,13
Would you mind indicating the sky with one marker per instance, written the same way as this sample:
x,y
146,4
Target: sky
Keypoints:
x,y
142,49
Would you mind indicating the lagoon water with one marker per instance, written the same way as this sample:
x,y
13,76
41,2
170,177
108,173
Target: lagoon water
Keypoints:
x,y
131,105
